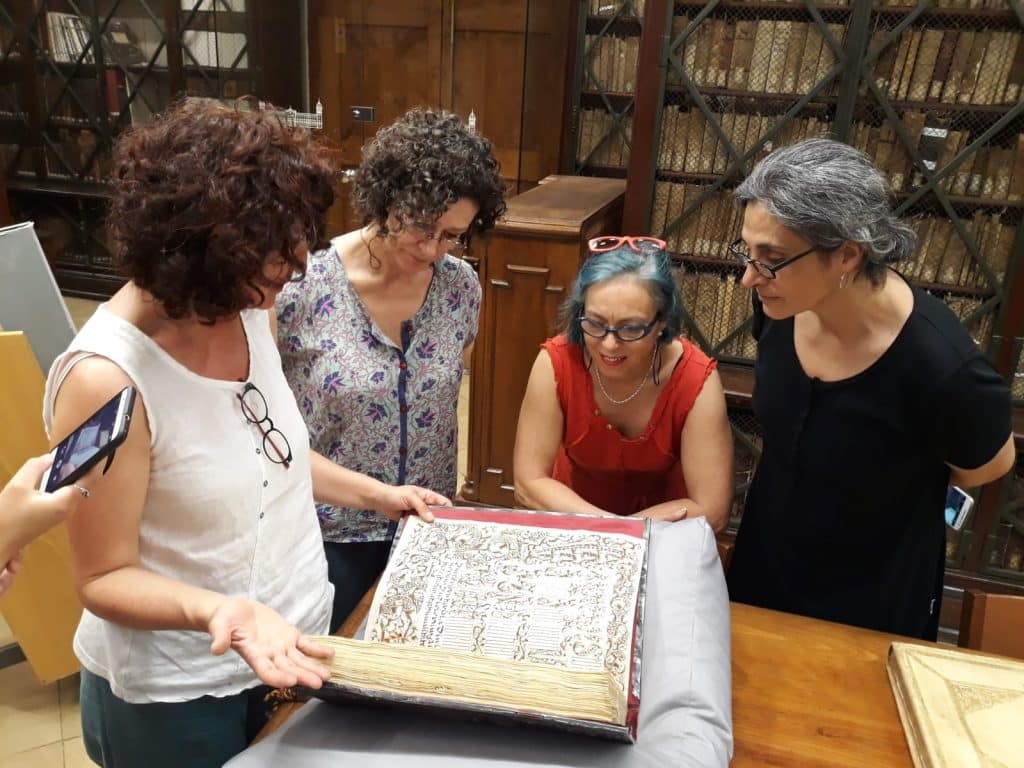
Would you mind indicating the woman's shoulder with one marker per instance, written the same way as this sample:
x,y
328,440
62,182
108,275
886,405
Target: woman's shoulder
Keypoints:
x,y
457,272
935,337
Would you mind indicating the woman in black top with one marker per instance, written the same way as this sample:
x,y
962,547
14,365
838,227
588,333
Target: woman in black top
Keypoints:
x,y
872,396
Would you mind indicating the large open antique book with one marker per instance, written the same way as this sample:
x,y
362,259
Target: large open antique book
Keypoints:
x,y
959,709
502,614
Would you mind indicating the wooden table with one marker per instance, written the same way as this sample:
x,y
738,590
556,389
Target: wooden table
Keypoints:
x,y
805,692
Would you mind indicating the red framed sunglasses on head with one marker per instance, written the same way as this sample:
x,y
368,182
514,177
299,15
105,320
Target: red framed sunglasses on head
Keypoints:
x,y
606,243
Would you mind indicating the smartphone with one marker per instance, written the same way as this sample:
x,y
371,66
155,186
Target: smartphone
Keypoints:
x,y
95,440
958,507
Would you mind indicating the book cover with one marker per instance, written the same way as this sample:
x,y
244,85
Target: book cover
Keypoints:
x,y
777,58
924,68
943,62
972,69
532,617
757,76
914,37
958,708
742,55
794,52
809,59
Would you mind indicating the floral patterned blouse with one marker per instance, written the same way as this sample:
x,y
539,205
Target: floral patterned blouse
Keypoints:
x,y
379,407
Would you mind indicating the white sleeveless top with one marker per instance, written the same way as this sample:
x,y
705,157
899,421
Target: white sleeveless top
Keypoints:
x,y
218,514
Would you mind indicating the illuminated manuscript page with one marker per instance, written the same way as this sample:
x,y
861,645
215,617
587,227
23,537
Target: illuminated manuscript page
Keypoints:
x,y
565,598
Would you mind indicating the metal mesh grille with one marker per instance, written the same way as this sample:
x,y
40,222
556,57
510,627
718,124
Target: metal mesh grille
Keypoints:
x,y
604,119
741,79
1002,552
939,110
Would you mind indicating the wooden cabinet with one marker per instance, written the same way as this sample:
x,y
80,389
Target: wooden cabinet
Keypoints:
x,y
527,268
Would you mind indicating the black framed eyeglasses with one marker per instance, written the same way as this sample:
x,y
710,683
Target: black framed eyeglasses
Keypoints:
x,y
738,250
254,407
627,333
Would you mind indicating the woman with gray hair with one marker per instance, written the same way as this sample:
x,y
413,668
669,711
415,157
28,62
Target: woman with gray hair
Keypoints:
x,y
621,414
872,396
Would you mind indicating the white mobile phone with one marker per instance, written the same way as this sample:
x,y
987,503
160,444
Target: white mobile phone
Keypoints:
x,y
96,439
958,507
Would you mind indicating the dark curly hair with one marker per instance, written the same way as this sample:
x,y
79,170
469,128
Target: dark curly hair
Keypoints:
x,y
204,193
420,165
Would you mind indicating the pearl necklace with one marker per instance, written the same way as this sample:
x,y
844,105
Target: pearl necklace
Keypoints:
x,y
643,381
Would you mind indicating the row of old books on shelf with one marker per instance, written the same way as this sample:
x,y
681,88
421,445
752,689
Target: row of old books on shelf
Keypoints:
x,y
612,62
758,55
600,141
991,172
70,39
717,304
973,4
689,143
953,66
942,256
707,232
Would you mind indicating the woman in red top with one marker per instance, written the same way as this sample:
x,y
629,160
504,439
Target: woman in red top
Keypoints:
x,y
622,415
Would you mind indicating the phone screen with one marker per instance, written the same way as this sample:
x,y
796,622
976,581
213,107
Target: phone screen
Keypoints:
x,y
80,450
958,504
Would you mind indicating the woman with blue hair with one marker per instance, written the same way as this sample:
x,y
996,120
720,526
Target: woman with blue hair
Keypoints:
x,y
622,415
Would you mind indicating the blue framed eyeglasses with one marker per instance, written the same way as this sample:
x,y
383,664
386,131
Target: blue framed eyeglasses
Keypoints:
x,y
627,333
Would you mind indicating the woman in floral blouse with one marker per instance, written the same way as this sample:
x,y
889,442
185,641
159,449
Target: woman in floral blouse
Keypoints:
x,y
374,338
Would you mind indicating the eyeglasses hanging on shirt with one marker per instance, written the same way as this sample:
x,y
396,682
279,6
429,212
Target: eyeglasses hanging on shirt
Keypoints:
x,y
254,407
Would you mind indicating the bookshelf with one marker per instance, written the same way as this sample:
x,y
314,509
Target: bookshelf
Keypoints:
x,y
76,73
931,90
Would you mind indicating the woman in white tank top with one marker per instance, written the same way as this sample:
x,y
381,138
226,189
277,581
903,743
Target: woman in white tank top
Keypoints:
x,y
202,537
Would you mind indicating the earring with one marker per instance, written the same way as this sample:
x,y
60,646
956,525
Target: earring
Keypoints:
x,y
842,281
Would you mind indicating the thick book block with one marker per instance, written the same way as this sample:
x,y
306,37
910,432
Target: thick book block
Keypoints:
x,y
532,616
958,708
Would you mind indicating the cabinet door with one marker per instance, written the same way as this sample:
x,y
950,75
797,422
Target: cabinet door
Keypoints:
x,y
525,279
382,55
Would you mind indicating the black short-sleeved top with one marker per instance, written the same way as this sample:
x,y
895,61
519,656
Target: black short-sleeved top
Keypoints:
x,y
844,519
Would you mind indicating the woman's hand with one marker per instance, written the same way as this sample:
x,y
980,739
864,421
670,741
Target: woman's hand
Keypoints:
x,y
393,501
669,511
26,512
274,649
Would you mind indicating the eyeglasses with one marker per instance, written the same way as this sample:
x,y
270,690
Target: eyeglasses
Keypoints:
x,y
606,243
626,333
454,245
254,407
738,250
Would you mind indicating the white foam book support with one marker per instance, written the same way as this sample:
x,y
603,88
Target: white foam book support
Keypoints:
x,y
685,716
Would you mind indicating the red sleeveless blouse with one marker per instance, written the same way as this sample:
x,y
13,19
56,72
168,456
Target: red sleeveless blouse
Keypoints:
x,y
612,472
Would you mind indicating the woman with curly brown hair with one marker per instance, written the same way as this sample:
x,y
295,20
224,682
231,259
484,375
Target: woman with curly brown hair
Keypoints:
x,y
202,537
375,337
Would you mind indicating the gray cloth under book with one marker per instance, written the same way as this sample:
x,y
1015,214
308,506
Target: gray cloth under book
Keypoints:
x,y
685,700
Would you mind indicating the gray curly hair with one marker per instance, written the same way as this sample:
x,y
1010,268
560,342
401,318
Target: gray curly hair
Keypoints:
x,y
830,193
